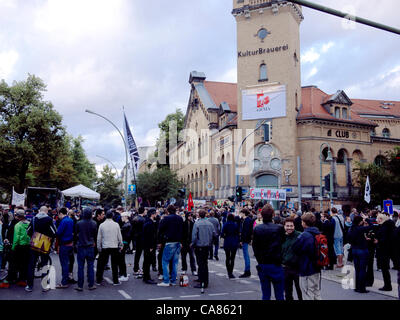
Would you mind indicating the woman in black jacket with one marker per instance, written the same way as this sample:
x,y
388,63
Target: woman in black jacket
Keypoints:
x,y
230,233
359,246
384,249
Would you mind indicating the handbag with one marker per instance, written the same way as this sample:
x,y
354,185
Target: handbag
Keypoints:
x,y
40,242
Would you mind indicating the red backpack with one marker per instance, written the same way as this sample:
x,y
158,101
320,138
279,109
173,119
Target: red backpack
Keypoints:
x,y
321,247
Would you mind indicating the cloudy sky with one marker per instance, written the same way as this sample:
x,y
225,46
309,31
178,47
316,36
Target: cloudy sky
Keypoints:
x,y
105,54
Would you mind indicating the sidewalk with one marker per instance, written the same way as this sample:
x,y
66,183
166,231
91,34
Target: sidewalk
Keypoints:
x,y
346,277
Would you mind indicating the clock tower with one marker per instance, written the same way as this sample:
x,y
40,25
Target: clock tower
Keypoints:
x,y
268,59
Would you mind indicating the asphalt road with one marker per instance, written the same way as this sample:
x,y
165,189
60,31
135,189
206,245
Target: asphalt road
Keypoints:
x,y
220,287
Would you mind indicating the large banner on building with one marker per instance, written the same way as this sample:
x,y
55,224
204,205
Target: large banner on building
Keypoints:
x,y
268,194
264,103
18,199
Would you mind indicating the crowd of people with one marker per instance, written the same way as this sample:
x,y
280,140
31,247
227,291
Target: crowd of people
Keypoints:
x,y
291,248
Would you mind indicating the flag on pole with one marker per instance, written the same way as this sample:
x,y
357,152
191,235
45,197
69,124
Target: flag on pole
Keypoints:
x,y
190,202
367,193
133,151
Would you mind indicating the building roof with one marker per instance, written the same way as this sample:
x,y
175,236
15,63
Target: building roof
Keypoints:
x,y
223,92
313,99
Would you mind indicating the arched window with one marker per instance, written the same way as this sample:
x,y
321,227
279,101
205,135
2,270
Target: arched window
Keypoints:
x,y
337,112
263,72
344,113
342,156
386,133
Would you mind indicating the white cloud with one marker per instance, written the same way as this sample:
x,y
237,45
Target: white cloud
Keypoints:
x,y
312,73
8,59
310,56
229,76
69,21
327,46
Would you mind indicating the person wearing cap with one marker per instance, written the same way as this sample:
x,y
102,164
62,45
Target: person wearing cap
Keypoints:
x,y
149,244
109,243
20,247
86,231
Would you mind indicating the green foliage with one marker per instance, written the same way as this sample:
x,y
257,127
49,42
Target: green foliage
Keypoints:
x,y
109,187
384,180
159,185
34,147
177,120
31,131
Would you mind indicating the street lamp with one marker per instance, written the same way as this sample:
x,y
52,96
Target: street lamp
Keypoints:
x,y
126,154
328,159
240,148
116,170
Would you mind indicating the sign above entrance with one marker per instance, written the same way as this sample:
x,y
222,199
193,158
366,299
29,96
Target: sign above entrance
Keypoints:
x,y
264,103
261,51
268,194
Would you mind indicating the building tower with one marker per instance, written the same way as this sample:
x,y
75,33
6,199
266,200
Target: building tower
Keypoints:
x,y
268,57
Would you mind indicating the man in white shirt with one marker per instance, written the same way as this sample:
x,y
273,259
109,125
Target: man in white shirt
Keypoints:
x,y
109,242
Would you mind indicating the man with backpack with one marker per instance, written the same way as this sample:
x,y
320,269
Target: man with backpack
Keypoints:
x,y
312,249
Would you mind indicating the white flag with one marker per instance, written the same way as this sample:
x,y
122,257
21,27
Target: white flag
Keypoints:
x,y
367,194
18,199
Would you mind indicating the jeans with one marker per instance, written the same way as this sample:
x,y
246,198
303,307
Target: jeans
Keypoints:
x,y
230,260
246,257
311,287
398,282
171,253
360,264
85,254
271,273
102,261
215,244
138,253
64,255
33,258
186,249
292,276
202,262
122,263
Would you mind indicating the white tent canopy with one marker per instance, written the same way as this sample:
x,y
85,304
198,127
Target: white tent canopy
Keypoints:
x,y
82,192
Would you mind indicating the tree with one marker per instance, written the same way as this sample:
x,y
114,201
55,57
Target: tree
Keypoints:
x,y
109,187
384,178
86,171
160,185
31,131
174,122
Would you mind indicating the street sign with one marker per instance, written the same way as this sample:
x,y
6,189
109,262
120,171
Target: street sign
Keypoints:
x,y
388,206
289,190
132,189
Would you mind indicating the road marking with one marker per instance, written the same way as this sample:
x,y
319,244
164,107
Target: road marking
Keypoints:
x,y
190,296
163,298
243,292
221,274
219,265
218,294
254,277
244,281
125,295
212,271
108,280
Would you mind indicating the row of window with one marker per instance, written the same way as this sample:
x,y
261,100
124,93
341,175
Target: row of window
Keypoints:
x,y
385,133
341,113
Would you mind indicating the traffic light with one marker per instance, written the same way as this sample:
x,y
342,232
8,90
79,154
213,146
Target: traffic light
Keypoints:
x,y
327,180
239,193
267,132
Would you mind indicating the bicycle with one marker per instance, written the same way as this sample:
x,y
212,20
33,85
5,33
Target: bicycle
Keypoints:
x,y
42,266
